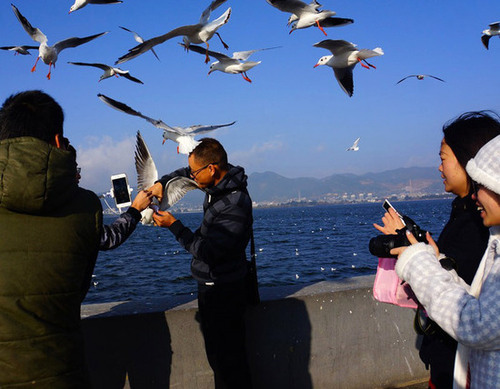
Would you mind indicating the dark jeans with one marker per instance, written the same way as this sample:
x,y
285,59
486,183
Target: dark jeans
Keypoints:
x,y
222,308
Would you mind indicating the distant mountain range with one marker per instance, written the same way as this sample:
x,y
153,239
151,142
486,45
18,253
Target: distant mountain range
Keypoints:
x,y
270,186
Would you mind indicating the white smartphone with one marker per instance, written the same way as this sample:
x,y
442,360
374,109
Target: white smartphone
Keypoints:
x,y
121,190
388,205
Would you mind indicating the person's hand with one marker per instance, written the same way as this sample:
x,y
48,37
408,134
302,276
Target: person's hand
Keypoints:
x,y
391,222
400,250
163,219
142,200
157,191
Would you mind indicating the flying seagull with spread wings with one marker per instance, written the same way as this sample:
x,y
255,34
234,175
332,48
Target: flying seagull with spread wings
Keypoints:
x,y
184,136
307,15
237,64
420,77
344,58
22,50
47,53
109,71
201,32
147,175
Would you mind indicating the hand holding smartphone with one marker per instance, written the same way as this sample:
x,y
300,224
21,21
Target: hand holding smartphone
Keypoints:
x,y
120,190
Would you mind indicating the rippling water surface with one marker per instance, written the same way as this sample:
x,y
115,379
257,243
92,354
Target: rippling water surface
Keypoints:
x,y
294,246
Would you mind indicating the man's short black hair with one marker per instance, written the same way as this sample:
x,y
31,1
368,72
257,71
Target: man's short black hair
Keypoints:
x,y
31,113
210,151
469,132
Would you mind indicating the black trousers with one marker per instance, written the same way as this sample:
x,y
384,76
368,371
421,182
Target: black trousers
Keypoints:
x,y
222,309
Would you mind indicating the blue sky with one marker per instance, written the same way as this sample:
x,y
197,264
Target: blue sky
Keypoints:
x,y
293,119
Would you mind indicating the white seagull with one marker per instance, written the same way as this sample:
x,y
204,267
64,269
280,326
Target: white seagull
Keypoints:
x,y
184,136
237,64
147,175
82,3
201,32
488,33
344,58
419,77
23,50
354,146
48,53
109,71
139,39
307,15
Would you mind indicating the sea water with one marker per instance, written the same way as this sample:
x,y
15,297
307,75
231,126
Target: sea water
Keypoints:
x,y
294,245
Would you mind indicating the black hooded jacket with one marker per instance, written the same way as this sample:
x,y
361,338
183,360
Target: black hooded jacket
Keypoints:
x,y
219,245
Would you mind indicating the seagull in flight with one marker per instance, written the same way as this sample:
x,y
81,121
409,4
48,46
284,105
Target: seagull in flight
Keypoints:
x,y
109,71
184,136
48,53
139,39
237,64
354,146
22,50
419,77
82,3
201,32
147,175
488,33
307,15
344,58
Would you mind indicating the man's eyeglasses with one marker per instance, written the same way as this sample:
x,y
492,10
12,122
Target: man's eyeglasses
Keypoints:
x,y
194,173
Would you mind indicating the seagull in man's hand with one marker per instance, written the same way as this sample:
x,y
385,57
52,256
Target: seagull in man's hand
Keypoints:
x,y
147,175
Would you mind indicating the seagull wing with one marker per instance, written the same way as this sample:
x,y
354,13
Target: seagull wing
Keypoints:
x,y
355,144
411,75
289,6
74,42
437,78
202,129
333,21
33,32
336,47
344,78
150,43
495,26
139,39
175,189
486,40
244,55
125,108
126,74
147,174
95,65
202,50
104,1
205,16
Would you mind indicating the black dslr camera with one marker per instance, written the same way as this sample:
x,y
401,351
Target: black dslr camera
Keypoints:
x,y
381,245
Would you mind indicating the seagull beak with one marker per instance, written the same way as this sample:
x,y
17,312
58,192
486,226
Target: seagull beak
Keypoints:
x,y
163,142
209,72
315,66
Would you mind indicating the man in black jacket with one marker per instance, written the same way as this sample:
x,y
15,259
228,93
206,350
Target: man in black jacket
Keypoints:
x,y
219,262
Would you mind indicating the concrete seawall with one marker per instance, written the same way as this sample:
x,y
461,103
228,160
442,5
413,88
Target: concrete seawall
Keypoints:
x,y
325,335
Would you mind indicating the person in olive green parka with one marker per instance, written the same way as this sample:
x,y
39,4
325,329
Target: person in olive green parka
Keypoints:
x,y
50,232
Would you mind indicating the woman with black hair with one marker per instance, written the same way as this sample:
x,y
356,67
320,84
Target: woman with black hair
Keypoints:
x,y
464,237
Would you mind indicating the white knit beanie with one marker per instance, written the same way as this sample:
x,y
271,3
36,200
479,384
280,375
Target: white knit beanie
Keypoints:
x,y
484,168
